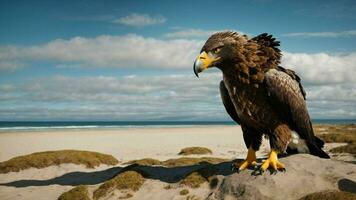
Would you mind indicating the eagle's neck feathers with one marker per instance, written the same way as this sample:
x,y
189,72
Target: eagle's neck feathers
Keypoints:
x,y
253,57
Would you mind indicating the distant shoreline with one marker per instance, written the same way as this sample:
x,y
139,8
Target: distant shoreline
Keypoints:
x,y
19,126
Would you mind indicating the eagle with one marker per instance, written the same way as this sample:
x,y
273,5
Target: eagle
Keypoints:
x,y
265,98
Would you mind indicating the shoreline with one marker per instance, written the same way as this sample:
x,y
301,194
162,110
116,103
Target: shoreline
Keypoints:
x,y
35,130
52,126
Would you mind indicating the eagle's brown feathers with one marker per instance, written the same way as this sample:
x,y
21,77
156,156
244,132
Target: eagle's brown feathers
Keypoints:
x,y
253,57
262,96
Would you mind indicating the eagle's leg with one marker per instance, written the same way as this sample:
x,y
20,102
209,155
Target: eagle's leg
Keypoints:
x,y
279,140
272,163
250,161
252,140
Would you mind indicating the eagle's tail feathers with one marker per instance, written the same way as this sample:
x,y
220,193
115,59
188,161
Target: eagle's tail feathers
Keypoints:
x,y
315,150
319,142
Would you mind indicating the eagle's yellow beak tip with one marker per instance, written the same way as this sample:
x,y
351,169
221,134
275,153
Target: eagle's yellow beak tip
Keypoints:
x,y
203,62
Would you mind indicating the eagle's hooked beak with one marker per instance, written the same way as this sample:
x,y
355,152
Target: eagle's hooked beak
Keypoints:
x,y
203,62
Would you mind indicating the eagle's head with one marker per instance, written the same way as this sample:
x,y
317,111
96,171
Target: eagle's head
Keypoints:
x,y
218,51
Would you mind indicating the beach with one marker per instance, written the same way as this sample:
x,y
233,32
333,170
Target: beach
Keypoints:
x,y
129,143
125,144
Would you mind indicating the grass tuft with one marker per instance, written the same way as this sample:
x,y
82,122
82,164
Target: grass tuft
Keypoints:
x,y
145,162
345,133
128,195
193,180
195,150
177,162
200,176
128,180
186,161
184,192
349,148
77,193
49,158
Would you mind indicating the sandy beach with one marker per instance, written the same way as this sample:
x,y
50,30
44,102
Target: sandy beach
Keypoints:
x,y
131,143
125,144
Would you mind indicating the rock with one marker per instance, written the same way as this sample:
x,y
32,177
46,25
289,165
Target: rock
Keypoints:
x,y
306,174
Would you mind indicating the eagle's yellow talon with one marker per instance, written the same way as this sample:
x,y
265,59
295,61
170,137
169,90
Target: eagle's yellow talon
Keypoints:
x,y
249,161
272,162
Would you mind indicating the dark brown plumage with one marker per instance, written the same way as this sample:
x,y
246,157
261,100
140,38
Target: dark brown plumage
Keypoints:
x,y
265,98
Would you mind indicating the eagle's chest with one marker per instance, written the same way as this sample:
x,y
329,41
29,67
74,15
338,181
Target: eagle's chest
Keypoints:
x,y
250,103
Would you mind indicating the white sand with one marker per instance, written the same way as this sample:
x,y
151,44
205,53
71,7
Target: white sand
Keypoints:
x,y
124,144
128,144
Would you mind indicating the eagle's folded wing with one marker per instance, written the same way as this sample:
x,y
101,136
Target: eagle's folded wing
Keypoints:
x,y
229,106
288,97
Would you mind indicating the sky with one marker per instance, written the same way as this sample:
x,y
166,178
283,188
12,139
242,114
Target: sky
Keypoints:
x,y
133,60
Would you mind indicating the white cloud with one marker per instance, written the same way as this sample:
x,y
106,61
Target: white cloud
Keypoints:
x,y
130,51
8,65
328,78
350,33
139,20
140,97
166,97
322,68
193,33
190,33
109,51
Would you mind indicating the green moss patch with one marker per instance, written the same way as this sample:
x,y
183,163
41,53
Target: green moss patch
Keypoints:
x,y
193,180
145,161
186,161
330,195
128,180
77,193
195,151
126,196
192,197
200,176
49,158
177,162
184,192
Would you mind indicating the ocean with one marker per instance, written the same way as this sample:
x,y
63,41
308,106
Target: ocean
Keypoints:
x,y
6,126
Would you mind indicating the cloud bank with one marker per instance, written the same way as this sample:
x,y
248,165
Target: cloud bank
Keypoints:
x,y
328,79
350,33
164,97
140,20
107,51
193,33
190,33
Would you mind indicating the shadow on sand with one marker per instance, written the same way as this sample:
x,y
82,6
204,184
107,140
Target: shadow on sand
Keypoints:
x,y
165,174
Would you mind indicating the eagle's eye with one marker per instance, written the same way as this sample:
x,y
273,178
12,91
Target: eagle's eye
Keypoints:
x,y
216,50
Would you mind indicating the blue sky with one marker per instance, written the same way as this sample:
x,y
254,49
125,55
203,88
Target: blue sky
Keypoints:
x,y
132,60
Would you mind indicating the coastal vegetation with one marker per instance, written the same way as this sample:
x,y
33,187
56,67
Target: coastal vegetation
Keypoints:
x,y
49,158
177,162
343,133
77,193
195,150
129,180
